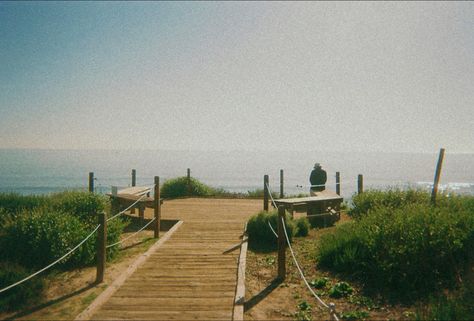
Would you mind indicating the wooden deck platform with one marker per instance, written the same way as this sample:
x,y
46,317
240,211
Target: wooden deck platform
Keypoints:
x,y
189,277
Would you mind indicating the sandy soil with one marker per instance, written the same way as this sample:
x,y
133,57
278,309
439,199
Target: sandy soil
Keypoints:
x,y
267,299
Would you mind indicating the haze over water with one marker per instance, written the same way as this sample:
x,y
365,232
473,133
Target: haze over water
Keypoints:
x,y
45,171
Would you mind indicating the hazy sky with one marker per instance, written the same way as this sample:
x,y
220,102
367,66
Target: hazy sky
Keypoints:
x,y
237,76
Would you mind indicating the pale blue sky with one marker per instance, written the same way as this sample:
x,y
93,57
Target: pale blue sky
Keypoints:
x,y
237,76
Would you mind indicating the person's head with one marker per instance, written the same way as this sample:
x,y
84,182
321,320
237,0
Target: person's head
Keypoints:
x,y
317,165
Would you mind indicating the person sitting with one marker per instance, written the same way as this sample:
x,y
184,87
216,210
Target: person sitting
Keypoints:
x,y
317,179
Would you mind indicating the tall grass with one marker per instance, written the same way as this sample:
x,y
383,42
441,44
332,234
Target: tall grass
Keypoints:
x,y
403,246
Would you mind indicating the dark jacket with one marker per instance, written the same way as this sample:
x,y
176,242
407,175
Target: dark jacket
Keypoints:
x,y
318,177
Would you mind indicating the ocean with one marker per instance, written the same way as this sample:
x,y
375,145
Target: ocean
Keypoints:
x,y
33,171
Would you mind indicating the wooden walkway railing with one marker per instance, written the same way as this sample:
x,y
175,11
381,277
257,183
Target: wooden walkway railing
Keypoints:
x,y
191,276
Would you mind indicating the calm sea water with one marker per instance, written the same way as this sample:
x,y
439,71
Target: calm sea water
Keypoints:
x,y
46,171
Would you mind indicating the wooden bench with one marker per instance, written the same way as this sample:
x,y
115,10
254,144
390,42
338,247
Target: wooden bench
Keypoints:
x,y
127,196
323,207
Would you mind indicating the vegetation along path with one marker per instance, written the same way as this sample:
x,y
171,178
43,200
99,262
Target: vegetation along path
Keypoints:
x,y
192,275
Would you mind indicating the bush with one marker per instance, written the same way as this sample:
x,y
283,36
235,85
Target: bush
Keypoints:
x,y
302,226
178,187
13,203
259,193
83,205
22,295
408,251
340,289
260,235
394,198
42,237
455,307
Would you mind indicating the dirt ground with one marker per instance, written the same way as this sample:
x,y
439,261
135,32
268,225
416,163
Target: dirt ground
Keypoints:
x,y
267,299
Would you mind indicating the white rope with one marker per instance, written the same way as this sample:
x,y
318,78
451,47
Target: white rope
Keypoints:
x,y
274,205
302,274
130,236
123,211
271,196
55,262
271,228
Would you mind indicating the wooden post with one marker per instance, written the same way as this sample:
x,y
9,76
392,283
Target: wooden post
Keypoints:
x,y
101,247
157,207
437,176
189,181
91,182
360,184
281,244
134,183
281,183
265,193
338,183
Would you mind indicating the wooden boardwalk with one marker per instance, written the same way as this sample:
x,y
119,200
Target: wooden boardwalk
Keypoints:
x,y
189,277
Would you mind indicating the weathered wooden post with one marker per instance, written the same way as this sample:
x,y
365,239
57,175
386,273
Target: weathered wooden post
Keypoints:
x,y
360,184
437,176
281,183
338,183
157,207
91,182
265,193
101,247
134,183
281,244
188,182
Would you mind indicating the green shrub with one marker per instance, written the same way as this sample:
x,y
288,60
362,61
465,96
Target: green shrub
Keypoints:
x,y
407,251
319,283
27,293
178,187
394,198
456,307
37,239
302,226
260,235
340,289
13,203
355,315
83,205
259,193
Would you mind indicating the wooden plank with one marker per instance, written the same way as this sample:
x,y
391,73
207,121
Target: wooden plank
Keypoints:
x,y
189,277
239,299
320,197
104,296
135,190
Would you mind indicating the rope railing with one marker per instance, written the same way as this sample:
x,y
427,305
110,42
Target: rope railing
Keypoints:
x,y
331,307
271,228
52,264
130,236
